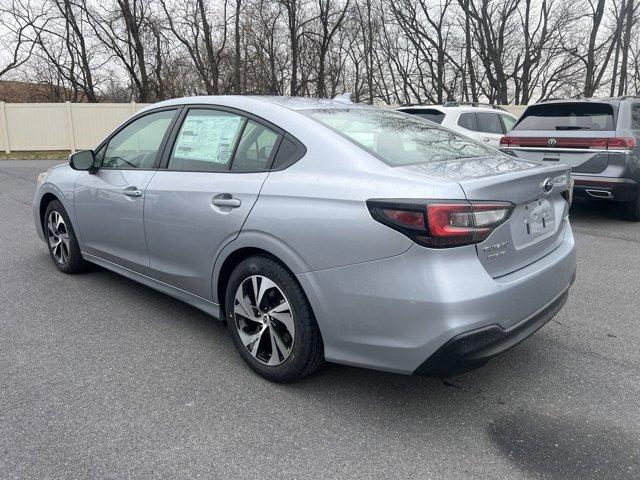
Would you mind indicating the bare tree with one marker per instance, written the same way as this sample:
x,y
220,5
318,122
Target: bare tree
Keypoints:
x,y
189,23
18,19
630,19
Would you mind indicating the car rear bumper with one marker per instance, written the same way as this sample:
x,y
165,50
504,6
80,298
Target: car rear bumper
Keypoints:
x,y
474,349
605,188
395,313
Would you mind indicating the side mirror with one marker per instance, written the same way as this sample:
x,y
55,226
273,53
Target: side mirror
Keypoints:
x,y
83,160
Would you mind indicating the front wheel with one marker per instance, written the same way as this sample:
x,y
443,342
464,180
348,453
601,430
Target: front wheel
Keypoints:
x,y
61,239
631,210
271,322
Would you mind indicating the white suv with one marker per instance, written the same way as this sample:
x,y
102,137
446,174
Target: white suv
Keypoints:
x,y
485,124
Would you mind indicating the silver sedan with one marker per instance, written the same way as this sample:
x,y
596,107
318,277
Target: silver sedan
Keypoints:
x,y
321,230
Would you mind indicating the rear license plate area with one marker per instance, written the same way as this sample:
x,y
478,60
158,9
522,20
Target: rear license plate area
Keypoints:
x,y
539,217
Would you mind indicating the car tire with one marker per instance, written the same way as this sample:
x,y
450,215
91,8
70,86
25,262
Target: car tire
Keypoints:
x,y
631,210
61,239
263,303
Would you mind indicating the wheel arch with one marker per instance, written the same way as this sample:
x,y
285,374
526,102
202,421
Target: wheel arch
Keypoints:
x,y
46,199
245,246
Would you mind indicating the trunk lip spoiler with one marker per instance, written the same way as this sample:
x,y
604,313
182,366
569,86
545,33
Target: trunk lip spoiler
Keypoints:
x,y
567,150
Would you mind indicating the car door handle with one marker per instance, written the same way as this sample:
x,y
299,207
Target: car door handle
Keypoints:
x,y
226,200
132,192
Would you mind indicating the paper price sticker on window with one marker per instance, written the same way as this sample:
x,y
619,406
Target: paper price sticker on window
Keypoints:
x,y
208,138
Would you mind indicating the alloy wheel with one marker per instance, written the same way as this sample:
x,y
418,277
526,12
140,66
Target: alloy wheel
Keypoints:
x,y
58,237
264,320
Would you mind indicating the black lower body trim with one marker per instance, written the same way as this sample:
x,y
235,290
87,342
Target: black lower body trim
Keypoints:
x,y
604,188
470,350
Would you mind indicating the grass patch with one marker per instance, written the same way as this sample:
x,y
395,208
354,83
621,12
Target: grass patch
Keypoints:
x,y
36,155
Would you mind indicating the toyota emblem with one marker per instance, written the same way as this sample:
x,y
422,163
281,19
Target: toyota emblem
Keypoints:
x,y
547,185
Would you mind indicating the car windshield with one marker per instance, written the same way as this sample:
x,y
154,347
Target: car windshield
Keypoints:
x,y
568,116
396,138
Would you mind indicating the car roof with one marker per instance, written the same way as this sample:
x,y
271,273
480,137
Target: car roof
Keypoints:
x,y
614,100
456,109
247,101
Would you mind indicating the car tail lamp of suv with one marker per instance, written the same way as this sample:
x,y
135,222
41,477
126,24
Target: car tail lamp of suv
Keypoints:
x,y
615,143
441,224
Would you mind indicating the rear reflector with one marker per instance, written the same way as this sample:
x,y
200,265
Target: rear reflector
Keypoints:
x,y
615,143
441,224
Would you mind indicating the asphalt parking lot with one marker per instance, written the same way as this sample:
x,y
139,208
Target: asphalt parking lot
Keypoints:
x,y
103,378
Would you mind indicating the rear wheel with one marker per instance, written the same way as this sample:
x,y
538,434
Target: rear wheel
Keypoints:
x,y
271,321
61,239
631,210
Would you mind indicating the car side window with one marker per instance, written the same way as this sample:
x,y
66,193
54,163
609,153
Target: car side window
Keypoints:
x,y
137,144
468,121
288,153
255,148
206,141
489,123
635,116
508,121
99,154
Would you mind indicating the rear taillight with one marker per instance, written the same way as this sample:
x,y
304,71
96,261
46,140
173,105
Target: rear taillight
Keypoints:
x,y
441,224
604,143
621,143
505,141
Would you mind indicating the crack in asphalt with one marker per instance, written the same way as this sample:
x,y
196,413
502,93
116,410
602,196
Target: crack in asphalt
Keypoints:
x,y
15,199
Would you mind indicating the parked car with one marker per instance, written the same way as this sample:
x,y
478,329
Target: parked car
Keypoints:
x,y
597,138
484,123
320,230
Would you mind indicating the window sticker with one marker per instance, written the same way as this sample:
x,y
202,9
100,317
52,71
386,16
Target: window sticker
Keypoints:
x,y
208,138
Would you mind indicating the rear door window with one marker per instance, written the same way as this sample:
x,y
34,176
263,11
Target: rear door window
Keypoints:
x,y
206,141
468,121
489,123
588,116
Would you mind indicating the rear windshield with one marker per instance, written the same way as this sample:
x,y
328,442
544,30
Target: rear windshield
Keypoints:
x,y
568,116
426,113
398,139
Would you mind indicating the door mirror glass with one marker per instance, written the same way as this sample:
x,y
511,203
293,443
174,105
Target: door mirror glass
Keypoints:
x,y
83,160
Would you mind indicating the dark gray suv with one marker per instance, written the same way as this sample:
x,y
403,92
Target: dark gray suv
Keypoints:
x,y
598,138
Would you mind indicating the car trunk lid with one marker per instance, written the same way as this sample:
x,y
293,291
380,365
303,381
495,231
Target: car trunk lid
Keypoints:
x,y
538,193
535,225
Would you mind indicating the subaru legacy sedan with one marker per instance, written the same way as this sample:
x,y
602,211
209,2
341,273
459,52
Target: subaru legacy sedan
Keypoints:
x,y
321,230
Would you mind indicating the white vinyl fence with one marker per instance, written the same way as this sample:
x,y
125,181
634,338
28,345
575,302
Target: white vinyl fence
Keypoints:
x,y
72,126
59,126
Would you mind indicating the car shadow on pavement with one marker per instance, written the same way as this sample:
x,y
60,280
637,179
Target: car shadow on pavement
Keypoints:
x,y
562,447
550,443
585,209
